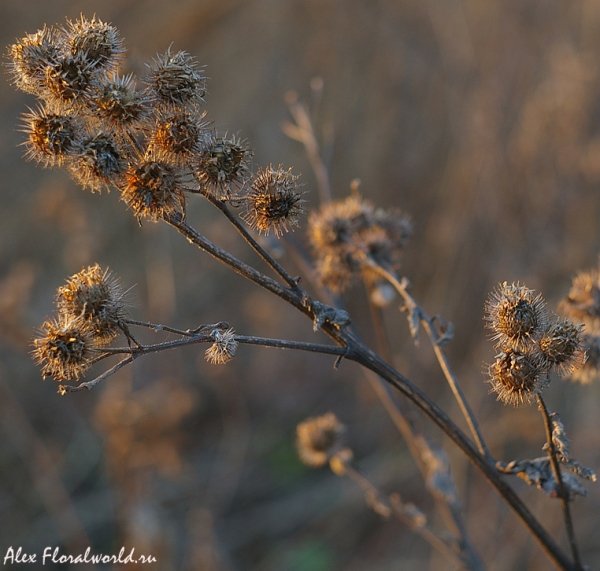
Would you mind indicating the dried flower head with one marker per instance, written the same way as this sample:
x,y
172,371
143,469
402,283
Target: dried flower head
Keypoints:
x,y
345,234
98,161
222,165
95,41
65,348
119,104
318,439
224,347
152,190
177,137
175,80
51,137
273,201
68,81
30,57
95,296
515,315
517,376
561,345
583,299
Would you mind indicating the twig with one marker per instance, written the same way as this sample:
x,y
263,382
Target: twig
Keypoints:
x,y
302,131
402,512
274,264
563,493
417,312
418,447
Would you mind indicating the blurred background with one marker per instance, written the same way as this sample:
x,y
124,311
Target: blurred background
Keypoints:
x,y
479,119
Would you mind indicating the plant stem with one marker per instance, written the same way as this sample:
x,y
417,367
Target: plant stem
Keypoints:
x,y
563,493
364,356
274,264
417,312
398,508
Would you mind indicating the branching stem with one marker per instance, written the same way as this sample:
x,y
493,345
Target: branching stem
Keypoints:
x,y
562,490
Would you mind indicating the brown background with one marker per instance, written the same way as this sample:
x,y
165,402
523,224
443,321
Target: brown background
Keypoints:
x,y
480,119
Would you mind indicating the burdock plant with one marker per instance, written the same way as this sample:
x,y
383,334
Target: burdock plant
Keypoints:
x,y
153,145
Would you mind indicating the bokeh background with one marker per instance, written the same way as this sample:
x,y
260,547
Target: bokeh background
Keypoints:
x,y
480,119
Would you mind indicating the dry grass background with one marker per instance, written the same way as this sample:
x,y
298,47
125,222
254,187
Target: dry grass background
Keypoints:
x,y
481,119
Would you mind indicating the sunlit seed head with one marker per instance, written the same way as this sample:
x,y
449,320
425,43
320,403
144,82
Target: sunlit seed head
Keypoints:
x,y
223,348
117,102
69,81
274,201
176,80
517,377
64,348
95,41
515,314
98,161
222,165
177,137
561,345
152,190
318,439
95,296
51,137
29,58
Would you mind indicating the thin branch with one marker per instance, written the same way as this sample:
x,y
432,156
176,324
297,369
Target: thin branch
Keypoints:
x,y
563,492
297,345
297,297
243,339
302,131
415,521
450,510
89,385
417,312
267,258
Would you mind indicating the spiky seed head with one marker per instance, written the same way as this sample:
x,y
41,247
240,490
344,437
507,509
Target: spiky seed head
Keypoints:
x,y
175,80
517,376
95,296
29,58
318,439
515,314
64,348
152,190
223,348
95,41
222,165
69,81
561,345
51,137
177,137
274,201
119,104
98,161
